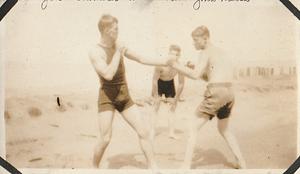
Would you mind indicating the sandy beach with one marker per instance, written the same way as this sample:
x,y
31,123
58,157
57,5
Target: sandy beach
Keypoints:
x,y
39,134
46,57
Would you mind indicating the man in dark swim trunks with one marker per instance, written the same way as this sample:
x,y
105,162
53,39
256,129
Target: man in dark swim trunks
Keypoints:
x,y
107,60
163,84
214,67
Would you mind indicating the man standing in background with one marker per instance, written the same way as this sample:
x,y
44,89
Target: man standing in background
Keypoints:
x,y
163,84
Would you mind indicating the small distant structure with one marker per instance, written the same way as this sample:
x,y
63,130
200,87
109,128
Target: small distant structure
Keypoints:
x,y
264,71
265,68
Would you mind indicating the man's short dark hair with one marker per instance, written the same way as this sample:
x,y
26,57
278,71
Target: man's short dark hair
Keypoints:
x,y
175,47
106,21
201,31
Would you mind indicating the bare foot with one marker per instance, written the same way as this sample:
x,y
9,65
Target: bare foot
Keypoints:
x,y
240,165
95,166
150,101
181,100
155,170
139,103
185,167
173,136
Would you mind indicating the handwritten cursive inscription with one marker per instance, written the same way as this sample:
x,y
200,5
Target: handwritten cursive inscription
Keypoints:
x,y
197,3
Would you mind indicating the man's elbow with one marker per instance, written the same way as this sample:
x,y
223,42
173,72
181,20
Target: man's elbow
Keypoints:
x,y
154,83
108,77
139,61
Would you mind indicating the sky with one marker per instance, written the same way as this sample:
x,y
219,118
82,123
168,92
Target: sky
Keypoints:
x,y
48,49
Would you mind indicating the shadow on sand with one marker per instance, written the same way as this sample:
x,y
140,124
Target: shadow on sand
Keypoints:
x,y
202,159
210,157
122,160
161,130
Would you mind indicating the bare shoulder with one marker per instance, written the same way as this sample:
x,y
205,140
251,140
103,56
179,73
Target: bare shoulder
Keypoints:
x,y
222,53
96,52
216,50
217,53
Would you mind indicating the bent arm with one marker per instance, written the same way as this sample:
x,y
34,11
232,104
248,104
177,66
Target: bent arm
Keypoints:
x,y
98,60
155,78
180,86
143,60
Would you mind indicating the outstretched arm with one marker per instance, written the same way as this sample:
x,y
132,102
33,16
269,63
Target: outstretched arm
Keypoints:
x,y
190,73
194,73
98,60
143,60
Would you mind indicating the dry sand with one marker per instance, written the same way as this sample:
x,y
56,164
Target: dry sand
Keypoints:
x,y
39,134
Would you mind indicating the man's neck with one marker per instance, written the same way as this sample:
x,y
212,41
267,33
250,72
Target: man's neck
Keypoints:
x,y
107,43
208,46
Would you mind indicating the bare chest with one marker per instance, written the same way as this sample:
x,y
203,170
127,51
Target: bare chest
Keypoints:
x,y
167,73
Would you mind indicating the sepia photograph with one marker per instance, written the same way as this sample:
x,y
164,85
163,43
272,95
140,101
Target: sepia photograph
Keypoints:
x,y
150,86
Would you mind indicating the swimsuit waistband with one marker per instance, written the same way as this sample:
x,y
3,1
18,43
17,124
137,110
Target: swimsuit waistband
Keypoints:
x,y
166,80
113,84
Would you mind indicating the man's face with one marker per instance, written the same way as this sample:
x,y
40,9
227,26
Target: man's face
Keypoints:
x,y
112,31
174,53
200,42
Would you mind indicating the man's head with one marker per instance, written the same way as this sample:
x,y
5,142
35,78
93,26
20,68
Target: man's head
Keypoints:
x,y
174,50
200,37
108,26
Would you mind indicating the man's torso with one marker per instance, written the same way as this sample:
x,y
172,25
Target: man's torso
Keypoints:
x,y
218,72
119,77
218,67
167,73
114,93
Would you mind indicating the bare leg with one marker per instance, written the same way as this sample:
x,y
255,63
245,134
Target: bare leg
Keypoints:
x,y
231,142
154,118
171,119
138,123
105,124
195,125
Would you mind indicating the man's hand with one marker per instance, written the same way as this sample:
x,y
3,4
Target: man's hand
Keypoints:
x,y
121,48
190,65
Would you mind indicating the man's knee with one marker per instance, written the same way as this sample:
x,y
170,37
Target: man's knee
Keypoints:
x,y
199,113
144,133
105,139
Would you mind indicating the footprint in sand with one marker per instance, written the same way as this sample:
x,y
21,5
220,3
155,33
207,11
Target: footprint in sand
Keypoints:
x,y
34,112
